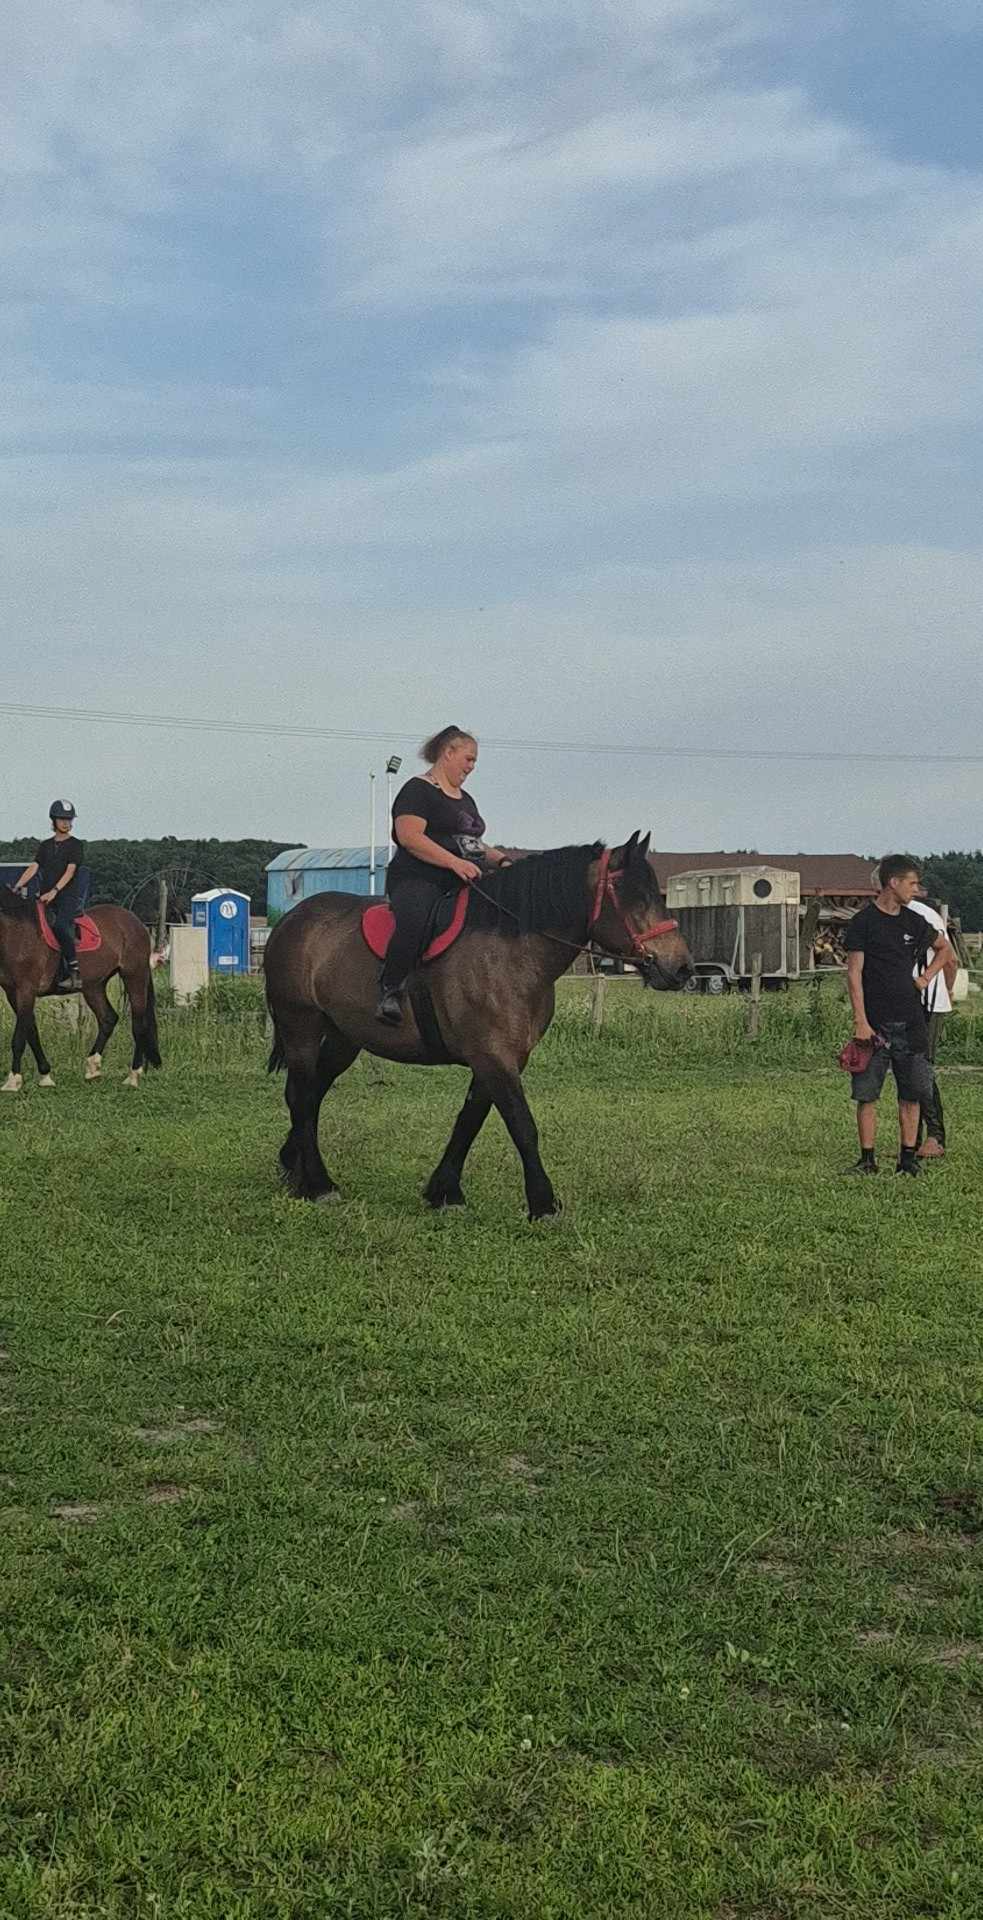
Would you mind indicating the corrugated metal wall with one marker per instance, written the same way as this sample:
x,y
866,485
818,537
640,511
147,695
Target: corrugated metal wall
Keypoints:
x,y
286,886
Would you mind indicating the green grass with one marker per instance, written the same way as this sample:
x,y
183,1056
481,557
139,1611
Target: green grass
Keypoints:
x,y
362,1562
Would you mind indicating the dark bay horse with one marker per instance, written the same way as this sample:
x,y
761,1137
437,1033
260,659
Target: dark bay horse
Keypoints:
x,y
484,1004
29,970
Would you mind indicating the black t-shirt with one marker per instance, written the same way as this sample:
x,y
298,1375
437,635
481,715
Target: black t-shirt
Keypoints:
x,y
54,855
456,825
891,943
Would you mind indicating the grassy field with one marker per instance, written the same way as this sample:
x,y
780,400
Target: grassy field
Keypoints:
x,y
362,1562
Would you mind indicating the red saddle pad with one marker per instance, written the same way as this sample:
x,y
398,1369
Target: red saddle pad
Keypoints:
x,y
378,923
87,935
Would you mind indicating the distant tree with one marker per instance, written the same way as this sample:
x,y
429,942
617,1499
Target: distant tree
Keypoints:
x,y
957,878
129,871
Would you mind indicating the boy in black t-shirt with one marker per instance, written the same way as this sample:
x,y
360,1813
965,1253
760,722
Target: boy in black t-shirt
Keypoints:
x,y
883,942
56,863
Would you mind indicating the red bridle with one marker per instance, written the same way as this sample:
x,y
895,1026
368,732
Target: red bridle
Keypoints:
x,y
606,890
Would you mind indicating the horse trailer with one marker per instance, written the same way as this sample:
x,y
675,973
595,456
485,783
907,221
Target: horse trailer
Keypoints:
x,y
728,916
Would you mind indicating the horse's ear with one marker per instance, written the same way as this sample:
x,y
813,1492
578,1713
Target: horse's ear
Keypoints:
x,y
623,860
643,845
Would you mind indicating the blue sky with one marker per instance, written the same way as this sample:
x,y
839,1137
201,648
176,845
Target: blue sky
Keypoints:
x,y
602,372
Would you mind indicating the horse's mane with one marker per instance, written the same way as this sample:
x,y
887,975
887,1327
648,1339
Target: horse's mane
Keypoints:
x,y
541,891
14,906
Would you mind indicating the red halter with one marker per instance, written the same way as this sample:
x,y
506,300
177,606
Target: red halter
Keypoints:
x,y
606,890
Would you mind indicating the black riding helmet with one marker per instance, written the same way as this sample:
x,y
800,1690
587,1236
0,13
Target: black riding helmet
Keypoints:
x,y
61,810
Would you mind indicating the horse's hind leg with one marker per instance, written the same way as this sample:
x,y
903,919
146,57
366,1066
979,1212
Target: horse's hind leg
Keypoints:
x,y
443,1189
315,1054
97,1000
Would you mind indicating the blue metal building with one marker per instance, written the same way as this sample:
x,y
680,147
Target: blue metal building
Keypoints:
x,y
303,871
224,914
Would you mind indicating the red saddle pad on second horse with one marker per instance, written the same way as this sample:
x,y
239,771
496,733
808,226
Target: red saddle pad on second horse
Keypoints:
x,y
87,935
378,923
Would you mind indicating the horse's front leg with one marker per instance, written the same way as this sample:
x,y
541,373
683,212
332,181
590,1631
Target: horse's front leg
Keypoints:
x,y
503,1087
443,1189
25,1034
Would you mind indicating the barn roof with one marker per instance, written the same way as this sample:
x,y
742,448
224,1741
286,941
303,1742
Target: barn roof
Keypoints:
x,y
319,858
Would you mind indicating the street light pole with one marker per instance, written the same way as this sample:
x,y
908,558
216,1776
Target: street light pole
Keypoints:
x,y
393,765
371,832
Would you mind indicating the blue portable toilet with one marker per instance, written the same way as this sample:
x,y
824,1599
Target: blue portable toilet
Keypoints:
x,y
225,915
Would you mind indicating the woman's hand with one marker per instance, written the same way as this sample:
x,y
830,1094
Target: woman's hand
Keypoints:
x,y
466,871
46,898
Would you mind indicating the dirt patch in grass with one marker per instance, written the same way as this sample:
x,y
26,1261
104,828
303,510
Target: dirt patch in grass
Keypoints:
x,y
79,1513
783,1572
519,1468
939,1653
181,1430
952,1653
165,1493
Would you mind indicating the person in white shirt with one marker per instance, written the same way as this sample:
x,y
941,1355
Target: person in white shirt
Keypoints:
x,y
937,1004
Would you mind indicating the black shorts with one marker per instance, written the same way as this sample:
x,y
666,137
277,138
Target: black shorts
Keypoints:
x,y
905,1054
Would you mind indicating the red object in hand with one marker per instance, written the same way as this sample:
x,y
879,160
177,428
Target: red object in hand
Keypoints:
x,y
858,1054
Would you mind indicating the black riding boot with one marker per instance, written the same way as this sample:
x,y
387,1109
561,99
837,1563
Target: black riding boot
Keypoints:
x,y
62,922
390,1007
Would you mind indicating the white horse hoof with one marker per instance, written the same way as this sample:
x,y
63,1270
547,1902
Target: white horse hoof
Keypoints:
x,y
133,1077
46,1080
93,1066
13,1083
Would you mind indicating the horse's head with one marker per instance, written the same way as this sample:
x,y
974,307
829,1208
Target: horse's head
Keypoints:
x,y
629,917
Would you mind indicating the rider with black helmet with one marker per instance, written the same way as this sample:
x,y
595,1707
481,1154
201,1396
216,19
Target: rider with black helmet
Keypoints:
x,y
56,863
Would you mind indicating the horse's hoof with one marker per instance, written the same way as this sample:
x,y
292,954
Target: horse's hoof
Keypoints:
x,y
133,1077
46,1080
326,1199
547,1213
438,1201
93,1067
13,1083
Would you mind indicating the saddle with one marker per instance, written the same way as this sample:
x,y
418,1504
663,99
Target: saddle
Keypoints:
x,y
87,935
450,913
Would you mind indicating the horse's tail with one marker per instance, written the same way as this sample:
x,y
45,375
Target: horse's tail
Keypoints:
x,y
278,1058
145,1035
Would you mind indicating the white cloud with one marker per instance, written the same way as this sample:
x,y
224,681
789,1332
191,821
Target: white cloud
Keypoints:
x,y
625,317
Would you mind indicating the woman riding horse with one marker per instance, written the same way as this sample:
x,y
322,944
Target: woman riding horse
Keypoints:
x,y
57,862
437,829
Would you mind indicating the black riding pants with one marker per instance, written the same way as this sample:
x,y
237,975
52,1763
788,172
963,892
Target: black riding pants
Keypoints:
x,y
412,902
61,918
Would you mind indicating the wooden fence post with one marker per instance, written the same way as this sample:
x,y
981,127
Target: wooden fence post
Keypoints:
x,y
754,1007
597,1002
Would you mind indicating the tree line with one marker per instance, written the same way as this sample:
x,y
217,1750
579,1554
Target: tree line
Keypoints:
x,y
129,872
957,879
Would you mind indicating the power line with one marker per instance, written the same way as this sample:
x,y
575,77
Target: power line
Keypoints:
x,y
922,756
